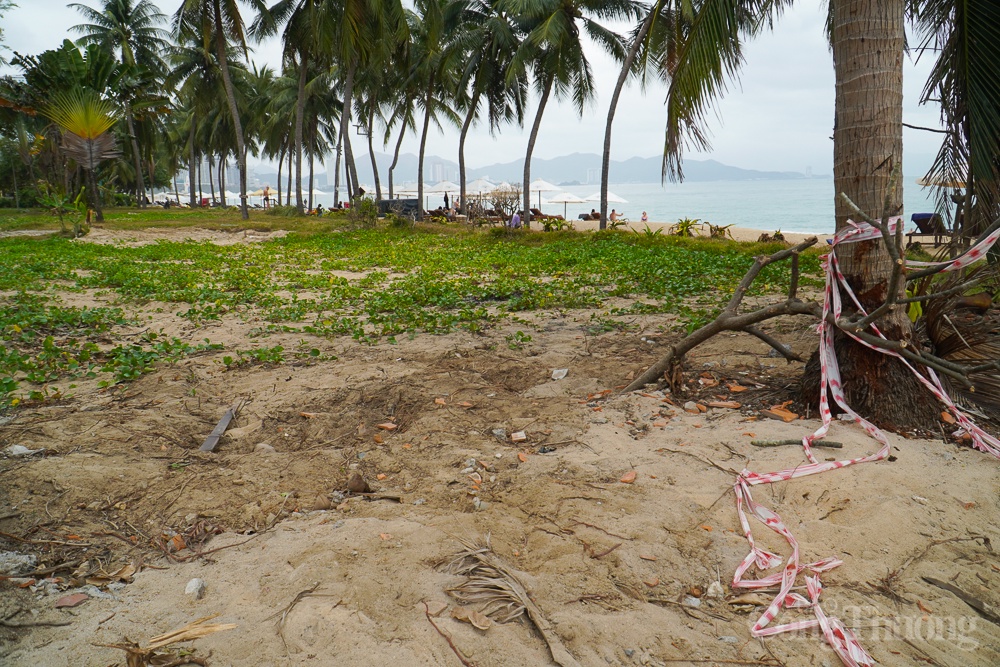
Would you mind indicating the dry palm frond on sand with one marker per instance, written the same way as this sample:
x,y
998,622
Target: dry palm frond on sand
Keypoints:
x,y
488,581
145,657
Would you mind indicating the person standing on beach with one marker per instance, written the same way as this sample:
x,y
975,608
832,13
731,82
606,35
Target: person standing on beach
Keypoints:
x,y
446,206
613,216
645,218
267,196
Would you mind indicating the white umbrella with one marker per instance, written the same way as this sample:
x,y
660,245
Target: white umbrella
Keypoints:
x,y
565,198
540,186
937,182
612,197
443,186
479,185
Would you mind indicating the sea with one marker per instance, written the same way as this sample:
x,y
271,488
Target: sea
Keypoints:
x,y
800,205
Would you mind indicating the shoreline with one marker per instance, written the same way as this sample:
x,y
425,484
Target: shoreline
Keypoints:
x,y
742,234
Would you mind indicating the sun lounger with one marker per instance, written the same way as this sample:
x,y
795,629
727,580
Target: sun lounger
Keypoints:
x,y
538,215
928,224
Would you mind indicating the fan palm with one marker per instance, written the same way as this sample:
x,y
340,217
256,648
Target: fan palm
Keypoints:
x,y
131,28
86,120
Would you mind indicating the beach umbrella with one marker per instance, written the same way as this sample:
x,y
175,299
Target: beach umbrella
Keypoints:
x,y
934,182
256,193
565,198
612,197
480,185
540,186
444,186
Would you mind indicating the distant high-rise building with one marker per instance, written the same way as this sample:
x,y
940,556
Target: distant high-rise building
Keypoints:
x,y
593,176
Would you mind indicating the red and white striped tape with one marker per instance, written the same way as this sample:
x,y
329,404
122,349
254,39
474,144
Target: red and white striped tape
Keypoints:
x,y
839,637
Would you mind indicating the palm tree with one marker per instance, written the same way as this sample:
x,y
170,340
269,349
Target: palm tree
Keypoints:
x,y
965,80
220,22
306,42
86,121
669,23
488,39
362,28
868,44
553,51
132,29
433,68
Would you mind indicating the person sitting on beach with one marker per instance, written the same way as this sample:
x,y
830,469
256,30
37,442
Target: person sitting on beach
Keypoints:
x,y
614,215
319,209
515,221
645,218
594,215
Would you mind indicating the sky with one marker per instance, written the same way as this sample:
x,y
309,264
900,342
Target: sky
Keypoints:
x,y
779,116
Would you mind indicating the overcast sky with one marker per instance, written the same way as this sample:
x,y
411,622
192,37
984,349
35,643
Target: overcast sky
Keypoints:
x,y
779,117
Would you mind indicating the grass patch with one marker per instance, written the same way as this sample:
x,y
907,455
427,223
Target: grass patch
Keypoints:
x,y
425,279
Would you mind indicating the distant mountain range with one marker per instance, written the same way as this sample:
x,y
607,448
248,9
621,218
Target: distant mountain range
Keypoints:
x,y
575,169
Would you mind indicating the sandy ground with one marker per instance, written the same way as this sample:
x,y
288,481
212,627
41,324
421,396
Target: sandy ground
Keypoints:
x,y
623,573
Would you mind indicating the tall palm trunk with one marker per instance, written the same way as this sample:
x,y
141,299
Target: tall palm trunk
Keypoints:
x,y
531,147
200,160
371,151
311,174
211,176
192,165
473,105
288,192
222,182
140,187
395,155
281,164
95,195
428,100
352,178
345,124
868,145
17,195
336,172
300,114
622,76
227,82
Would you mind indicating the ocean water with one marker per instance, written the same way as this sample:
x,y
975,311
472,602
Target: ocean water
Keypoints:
x,y
804,205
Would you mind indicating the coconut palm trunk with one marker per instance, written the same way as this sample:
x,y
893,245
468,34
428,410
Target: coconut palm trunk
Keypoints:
x,y
428,100
311,174
473,105
192,165
345,124
622,77
868,144
371,151
300,114
336,171
395,156
227,82
352,179
531,147
140,185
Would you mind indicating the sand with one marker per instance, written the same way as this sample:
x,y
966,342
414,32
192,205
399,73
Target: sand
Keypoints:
x,y
616,568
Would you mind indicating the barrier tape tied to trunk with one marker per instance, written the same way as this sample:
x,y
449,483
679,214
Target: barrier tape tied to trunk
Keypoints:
x,y
843,641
